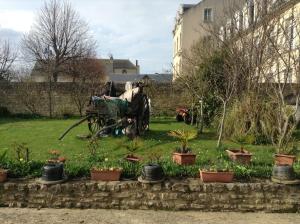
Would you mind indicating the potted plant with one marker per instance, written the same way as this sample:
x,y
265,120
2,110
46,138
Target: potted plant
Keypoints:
x,y
132,146
54,168
240,155
3,172
183,155
286,155
106,172
221,174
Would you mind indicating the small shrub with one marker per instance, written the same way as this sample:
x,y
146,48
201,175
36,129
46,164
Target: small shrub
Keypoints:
x,y
19,169
75,169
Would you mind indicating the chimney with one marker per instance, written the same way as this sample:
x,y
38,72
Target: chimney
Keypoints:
x,y
137,67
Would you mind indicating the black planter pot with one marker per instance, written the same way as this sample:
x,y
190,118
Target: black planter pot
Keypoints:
x,y
53,172
283,172
152,172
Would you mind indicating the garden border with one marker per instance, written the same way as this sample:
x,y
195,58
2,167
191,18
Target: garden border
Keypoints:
x,y
188,194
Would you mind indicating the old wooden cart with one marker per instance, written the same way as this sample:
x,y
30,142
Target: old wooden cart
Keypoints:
x,y
129,113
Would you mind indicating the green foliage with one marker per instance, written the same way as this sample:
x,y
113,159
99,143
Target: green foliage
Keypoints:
x,y
211,106
131,145
130,169
3,159
21,151
77,169
19,169
247,118
184,136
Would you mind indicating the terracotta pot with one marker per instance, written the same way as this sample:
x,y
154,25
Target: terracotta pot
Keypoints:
x,y
184,158
281,159
220,177
132,158
3,175
106,175
240,156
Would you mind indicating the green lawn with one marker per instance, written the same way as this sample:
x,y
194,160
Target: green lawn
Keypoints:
x,y
41,135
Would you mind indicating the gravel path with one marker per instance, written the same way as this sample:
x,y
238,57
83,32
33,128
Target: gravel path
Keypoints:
x,y
53,216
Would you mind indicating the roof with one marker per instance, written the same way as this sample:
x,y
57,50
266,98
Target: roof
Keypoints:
x,y
119,63
123,78
185,7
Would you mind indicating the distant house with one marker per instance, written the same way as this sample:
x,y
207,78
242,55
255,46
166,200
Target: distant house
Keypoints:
x,y
110,66
155,78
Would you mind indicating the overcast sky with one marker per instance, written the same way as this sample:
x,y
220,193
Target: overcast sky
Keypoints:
x,y
129,29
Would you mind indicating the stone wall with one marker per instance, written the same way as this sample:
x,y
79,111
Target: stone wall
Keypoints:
x,y
189,194
164,98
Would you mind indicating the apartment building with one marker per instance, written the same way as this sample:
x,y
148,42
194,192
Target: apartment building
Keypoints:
x,y
193,22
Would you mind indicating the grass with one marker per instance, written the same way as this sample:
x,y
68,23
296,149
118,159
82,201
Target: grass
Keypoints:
x,y
41,135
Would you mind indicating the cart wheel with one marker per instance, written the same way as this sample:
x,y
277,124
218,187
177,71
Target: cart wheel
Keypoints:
x,y
143,118
95,124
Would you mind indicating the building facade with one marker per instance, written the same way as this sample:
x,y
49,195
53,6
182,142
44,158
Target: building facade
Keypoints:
x,y
273,28
110,67
193,22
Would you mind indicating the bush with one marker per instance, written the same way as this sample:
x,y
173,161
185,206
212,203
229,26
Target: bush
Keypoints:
x,y
248,117
19,169
75,169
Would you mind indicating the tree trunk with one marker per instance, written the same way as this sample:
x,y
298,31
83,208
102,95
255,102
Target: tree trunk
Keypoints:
x,y
201,118
192,114
50,97
222,124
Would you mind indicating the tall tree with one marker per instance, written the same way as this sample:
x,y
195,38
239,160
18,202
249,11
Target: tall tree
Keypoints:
x,y
58,36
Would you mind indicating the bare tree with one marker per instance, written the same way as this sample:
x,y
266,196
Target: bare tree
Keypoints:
x,y
7,58
58,36
59,30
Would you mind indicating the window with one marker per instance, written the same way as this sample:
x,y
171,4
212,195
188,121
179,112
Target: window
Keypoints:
x,y
124,71
208,15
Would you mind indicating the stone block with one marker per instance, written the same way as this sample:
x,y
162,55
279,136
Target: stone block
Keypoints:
x,y
181,187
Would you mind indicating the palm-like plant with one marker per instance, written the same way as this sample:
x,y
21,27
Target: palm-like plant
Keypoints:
x,y
131,145
184,136
134,145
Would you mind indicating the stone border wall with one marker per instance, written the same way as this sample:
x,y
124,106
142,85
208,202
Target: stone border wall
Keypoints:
x,y
190,194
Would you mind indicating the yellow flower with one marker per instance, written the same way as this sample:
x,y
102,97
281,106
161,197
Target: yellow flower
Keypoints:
x,y
21,159
106,159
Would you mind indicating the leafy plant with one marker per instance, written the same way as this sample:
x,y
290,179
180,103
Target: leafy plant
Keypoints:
x,y
3,159
107,164
132,145
22,151
289,149
241,140
184,136
93,146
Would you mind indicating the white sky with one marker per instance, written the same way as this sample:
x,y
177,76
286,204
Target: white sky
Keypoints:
x,y
129,29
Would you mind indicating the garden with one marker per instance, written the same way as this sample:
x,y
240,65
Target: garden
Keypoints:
x,y
27,145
